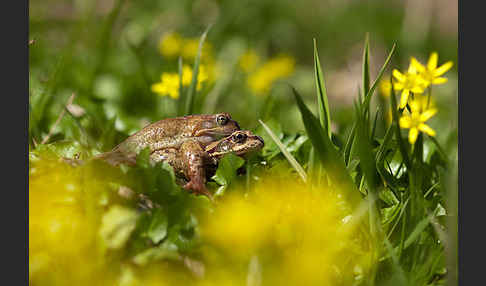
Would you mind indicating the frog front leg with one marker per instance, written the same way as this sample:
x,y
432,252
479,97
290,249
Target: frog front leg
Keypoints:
x,y
193,156
190,160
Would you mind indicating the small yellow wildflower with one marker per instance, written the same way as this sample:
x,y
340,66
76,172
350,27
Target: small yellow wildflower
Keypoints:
x,y
191,46
248,60
264,77
173,45
170,45
431,73
415,121
411,81
168,85
169,82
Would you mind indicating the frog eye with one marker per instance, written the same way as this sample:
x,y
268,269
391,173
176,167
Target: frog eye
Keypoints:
x,y
239,137
222,119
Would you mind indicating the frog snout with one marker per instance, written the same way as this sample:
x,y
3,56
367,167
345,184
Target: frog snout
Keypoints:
x,y
260,139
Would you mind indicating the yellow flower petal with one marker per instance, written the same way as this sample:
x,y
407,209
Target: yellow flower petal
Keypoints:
x,y
439,80
404,98
426,129
399,76
405,122
443,68
412,69
427,114
412,135
432,63
397,86
417,89
415,106
417,64
157,87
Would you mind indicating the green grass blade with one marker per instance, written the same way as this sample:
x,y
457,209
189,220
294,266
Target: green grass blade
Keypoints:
x,y
374,124
349,145
419,228
324,149
312,125
181,103
380,159
366,65
324,114
401,144
363,148
195,72
286,153
378,78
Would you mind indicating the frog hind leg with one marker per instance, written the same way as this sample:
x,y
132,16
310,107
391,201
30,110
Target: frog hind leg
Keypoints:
x,y
116,158
194,158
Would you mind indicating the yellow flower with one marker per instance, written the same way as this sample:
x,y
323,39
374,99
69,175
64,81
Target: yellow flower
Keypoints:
x,y
431,73
315,233
168,85
170,45
191,46
411,81
264,77
248,60
173,45
169,82
415,121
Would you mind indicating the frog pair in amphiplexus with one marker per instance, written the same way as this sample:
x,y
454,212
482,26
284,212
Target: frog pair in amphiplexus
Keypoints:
x,y
190,144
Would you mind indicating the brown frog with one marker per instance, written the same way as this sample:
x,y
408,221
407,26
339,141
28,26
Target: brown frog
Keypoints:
x,y
192,160
172,133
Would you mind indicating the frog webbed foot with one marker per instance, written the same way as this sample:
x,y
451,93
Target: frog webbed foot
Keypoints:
x,y
198,188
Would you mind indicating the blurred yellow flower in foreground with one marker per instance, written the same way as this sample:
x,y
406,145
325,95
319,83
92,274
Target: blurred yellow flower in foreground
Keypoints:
x,y
411,81
169,82
415,121
263,78
431,73
289,234
65,214
281,233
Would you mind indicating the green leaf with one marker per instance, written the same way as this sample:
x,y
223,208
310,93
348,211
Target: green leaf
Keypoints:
x,y
166,250
157,229
117,225
324,114
143,158
226,171
286,153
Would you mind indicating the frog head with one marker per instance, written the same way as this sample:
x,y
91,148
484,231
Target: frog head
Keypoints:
x,y
240,142
216,125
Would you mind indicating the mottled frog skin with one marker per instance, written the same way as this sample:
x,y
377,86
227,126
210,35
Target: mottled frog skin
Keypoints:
x,y
172,133
192,160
